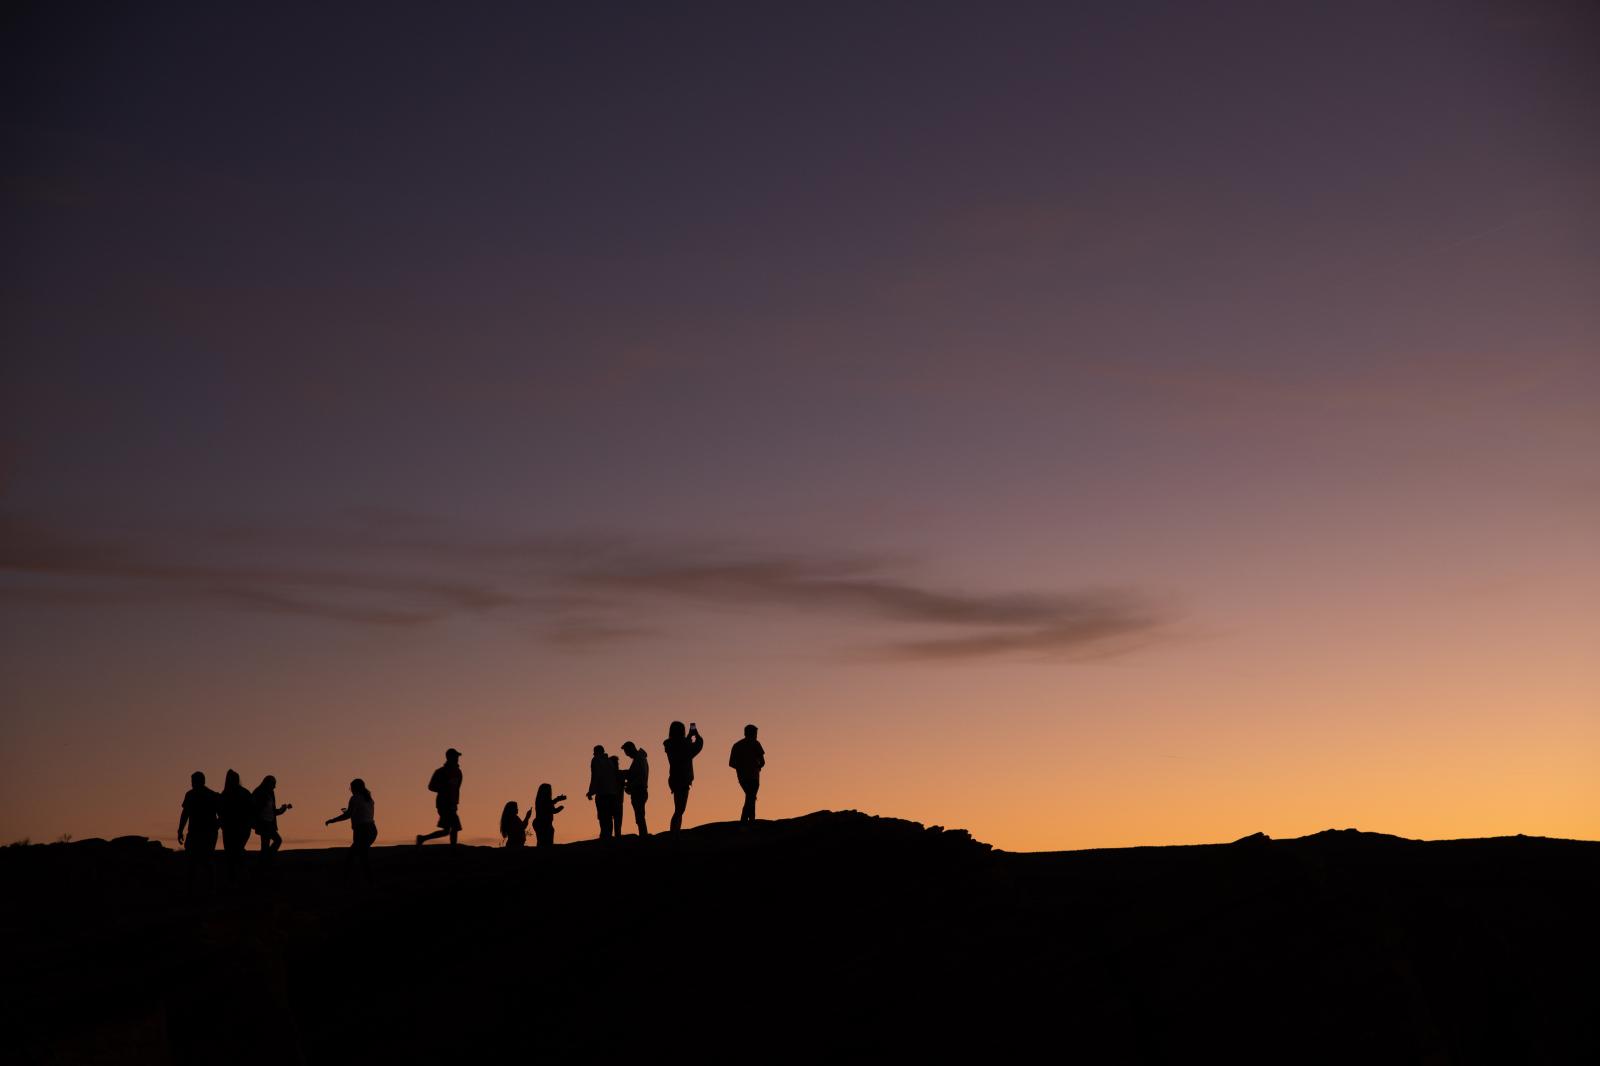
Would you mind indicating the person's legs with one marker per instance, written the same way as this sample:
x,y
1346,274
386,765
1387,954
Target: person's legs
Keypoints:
x,y
616,815
638,814
749,812
602,810
680,801
364,837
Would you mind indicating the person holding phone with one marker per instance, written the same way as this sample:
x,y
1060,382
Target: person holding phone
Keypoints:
x,y
681,747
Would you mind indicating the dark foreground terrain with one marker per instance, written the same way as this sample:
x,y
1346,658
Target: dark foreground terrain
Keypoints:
x,y
834,935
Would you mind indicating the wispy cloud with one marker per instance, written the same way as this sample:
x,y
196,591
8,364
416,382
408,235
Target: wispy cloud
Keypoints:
x,y
585,591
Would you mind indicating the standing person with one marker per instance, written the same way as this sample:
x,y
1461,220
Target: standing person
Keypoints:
x,y
747,758
200,818
616,799
445,784
681,748
265,799
545,809
637,782
237,811
362,814
604,789
514,827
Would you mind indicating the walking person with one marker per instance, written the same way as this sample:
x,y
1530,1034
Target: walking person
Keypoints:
x,y
514,827
747,758
681,748
199,817
637,783
265,800
545,809
604,789
445,784
236,809
362,816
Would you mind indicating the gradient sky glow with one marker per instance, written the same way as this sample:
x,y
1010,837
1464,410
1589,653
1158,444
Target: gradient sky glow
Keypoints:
x,y
1088,425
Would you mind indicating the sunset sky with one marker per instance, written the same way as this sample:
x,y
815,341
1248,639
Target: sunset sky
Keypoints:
x,y
1084,424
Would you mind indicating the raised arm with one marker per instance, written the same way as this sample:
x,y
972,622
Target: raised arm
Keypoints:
x,y
696,742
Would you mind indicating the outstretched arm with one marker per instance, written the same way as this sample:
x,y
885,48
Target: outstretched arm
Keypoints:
x,y
342,816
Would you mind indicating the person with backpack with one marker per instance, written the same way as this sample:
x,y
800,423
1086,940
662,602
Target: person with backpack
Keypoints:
x,y
265,800
445,784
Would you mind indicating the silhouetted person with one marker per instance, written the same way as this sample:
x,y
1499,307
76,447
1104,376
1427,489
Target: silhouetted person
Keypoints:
x,y
681,749
236,809
604,789
265,801
514,827
637,783
545,809
445,784
616,800
362,814
747,758
200,818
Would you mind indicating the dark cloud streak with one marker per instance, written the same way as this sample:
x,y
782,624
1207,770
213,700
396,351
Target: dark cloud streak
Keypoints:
x,y
587,591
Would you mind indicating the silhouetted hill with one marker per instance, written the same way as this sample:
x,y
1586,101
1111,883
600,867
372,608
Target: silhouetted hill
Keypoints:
x,y
833,935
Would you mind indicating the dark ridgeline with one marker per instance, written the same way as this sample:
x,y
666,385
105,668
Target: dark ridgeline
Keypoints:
x,y
747,758
362,814
545,808
828,937
514,827
636,781
681,748
445,784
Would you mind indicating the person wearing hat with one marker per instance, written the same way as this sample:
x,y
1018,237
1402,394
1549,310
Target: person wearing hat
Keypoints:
x,y
445,784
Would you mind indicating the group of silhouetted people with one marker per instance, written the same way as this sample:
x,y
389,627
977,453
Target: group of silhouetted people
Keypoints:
x,y
609,782
236,812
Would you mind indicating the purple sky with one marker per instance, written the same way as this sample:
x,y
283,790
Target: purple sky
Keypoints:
x,y
936,361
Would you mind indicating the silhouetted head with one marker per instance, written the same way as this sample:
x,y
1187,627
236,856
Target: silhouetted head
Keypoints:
x,y
676,731
546,794
231,779
452,755
750,732
508,818
358,787
269,782
599,749
197,779
615,761
629,750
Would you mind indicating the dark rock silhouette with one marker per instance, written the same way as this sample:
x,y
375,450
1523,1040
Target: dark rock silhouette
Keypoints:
x,y
836,935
